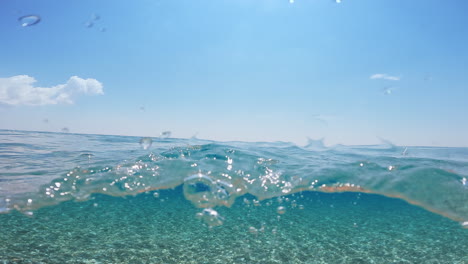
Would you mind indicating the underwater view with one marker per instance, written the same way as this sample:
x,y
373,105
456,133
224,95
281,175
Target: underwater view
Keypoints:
x,y
233,131
167,200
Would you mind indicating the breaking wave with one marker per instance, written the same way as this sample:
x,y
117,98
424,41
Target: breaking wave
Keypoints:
x,y
35,171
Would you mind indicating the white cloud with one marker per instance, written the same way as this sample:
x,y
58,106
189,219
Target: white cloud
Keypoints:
x,y
385,77
20,90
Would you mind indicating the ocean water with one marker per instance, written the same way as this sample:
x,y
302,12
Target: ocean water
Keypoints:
x,y
71,198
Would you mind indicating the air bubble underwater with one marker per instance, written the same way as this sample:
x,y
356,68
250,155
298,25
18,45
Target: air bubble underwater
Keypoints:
x,y
281,210
210,217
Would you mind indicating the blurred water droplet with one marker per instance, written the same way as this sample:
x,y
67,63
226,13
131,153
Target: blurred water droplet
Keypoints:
x,y
45,120
89,24
29,20
65,130
428,78
95,17
87,155
146,142
156,195
142,108
165,134
405,152
281,210
388,90
103,29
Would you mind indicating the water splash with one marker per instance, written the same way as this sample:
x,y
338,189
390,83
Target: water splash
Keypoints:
x,y
146,142
165,134
214,174
315,144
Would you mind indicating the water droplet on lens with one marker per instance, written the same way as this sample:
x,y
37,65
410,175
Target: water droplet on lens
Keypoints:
x,y
281,210
388,90
95,17
89,24
29,20
103,29
65,130
156,195
146,142
165,134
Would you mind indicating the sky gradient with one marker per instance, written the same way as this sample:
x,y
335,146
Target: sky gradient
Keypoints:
x,y
264,70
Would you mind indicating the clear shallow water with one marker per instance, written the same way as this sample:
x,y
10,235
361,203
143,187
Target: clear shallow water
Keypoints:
x,y
107,199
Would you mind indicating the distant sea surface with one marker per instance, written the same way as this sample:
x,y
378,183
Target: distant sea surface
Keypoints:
x,y
73,198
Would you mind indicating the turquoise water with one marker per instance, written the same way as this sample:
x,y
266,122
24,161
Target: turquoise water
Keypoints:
x,y
69,198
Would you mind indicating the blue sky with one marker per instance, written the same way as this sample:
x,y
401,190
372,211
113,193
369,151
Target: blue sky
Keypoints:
x,y
250,70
